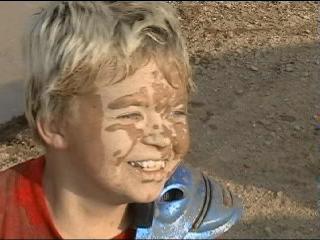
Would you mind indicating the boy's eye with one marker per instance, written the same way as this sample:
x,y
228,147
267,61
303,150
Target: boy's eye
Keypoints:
x,y
131,116
179,113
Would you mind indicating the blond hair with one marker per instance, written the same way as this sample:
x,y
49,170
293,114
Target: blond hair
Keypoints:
x,y
69,43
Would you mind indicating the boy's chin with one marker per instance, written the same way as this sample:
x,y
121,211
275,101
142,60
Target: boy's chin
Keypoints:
x,y
147,195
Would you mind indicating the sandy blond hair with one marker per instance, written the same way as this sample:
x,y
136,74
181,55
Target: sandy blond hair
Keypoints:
x,y
69,43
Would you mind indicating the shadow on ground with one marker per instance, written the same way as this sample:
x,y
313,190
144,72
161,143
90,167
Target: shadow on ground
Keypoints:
x,y
252,119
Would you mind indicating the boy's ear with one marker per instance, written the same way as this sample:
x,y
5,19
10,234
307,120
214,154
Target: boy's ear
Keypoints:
x,y
52,132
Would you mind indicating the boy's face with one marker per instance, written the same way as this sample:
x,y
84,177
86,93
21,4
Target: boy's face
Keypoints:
x,y
128,138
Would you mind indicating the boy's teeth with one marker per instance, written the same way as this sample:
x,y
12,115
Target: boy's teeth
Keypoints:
x,y
162,164
144,164
149,165
132,164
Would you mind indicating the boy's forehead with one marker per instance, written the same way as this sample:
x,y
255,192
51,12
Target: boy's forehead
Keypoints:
x,y
142,94
144,83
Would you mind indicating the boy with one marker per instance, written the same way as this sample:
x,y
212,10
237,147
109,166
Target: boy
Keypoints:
x,y
106,96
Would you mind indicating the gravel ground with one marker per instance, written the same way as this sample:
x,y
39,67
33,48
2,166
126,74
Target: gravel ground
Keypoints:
x,y
253,118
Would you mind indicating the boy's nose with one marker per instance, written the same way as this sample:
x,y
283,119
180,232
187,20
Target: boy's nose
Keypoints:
x,y
156,139
155,133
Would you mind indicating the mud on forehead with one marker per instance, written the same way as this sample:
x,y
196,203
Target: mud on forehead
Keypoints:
x,y
135,99
160,92
173,79
157,67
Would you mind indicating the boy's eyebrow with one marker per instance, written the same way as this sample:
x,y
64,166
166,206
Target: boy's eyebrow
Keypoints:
x,y
135,99
181,105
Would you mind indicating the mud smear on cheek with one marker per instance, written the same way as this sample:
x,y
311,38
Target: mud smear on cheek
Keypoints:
x,y
167,133
182,140
116,153
138,99
134,134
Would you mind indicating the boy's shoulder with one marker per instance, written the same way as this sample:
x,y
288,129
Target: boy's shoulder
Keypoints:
x,y
17,180
22,206
30,170
23,211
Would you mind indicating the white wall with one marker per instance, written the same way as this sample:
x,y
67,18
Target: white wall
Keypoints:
x,y
13,16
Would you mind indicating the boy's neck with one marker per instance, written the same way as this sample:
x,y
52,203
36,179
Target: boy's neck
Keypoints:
x,y
80,216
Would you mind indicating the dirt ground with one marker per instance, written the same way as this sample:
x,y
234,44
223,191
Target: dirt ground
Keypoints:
x,y
253,120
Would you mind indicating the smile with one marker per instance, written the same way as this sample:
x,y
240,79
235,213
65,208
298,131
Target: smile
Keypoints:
x,y
149,165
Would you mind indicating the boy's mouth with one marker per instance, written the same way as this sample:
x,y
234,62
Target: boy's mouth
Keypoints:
x,y
149,165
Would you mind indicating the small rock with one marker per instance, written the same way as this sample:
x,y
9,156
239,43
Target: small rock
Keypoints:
x,y
287,118
246,188
269,192
289,68
279,194
207,117
268,231
4,156
228,5
253,68
239,51
197,104
267,142
264,122
206,59
239,91
217,44
297,127
306,74
212,126
230,34
246,166
307,31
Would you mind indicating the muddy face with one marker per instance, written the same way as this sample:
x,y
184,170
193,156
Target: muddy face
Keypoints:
x,y
139,135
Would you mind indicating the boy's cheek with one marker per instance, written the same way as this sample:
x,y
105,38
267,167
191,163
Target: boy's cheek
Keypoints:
x,y
116,144
181,141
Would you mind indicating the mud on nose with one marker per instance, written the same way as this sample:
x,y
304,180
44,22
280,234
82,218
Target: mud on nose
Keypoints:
x,y
156,139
